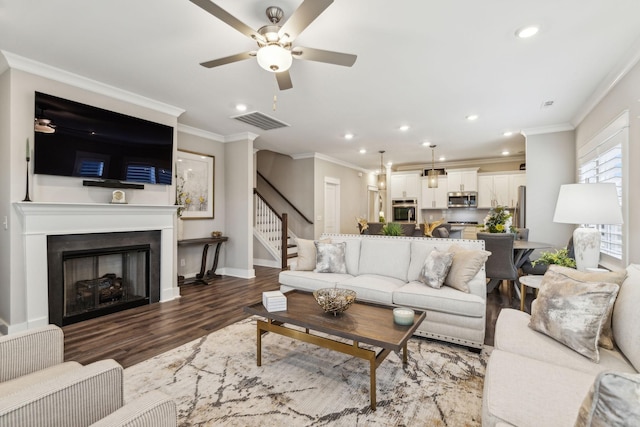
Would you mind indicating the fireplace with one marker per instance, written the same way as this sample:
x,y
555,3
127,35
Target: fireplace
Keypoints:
x,y
43,220
94,274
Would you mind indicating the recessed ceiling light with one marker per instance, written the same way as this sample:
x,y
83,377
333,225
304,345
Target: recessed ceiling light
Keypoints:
x,y
426,144
508,133
526,32
472,117
389,164
505,153
442,158
348,136
363,151
241,107
404,128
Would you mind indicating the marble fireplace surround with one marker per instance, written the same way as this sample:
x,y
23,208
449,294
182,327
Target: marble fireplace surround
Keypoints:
x,y
42,219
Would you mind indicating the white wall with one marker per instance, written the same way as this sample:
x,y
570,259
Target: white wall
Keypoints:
x,y
195,228
550,163
624,96
239,172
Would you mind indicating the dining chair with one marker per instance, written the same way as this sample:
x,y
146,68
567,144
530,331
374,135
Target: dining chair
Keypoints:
x,y
500,265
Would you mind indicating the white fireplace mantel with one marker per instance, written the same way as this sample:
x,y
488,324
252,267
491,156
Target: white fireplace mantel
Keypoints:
x,y
42,219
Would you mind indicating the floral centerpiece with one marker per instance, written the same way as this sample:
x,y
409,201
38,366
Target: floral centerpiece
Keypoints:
x,y
498,221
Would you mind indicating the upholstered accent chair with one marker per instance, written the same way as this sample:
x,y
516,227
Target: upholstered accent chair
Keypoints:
x,y
500,265
38,388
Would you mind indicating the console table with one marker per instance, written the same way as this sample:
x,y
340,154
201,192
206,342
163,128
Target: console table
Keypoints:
x,y
206,242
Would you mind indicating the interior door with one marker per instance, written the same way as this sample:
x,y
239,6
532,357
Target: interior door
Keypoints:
x,y
331,205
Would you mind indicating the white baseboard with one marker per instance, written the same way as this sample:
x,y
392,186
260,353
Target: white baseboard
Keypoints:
x,y
237,272
267,263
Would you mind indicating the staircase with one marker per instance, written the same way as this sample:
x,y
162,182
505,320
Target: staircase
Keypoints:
x,y
271,230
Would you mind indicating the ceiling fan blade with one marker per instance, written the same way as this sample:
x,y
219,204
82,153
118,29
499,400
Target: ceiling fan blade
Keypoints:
x,y
304,15
284,80
228,19
228,59
319,55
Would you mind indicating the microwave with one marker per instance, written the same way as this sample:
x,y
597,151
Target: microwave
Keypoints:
x,y
464,199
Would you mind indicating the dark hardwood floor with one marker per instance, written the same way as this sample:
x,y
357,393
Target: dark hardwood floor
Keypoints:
x,y
135,335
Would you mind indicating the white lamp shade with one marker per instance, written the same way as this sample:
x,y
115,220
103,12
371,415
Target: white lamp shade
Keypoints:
x,y
274,58
595,203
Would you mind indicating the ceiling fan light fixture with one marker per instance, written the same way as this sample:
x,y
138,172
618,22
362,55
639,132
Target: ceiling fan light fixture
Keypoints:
x,y
274,58
43,126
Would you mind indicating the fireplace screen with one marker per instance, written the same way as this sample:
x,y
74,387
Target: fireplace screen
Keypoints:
x,y
104,279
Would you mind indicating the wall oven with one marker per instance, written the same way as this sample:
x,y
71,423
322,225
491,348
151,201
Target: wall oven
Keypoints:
x,y
465,199
404,210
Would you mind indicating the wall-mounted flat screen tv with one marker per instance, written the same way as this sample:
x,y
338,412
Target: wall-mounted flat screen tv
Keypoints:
x,y
74,139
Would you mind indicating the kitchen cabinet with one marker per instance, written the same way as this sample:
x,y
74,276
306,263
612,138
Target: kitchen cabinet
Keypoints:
x,y
434,198
405,186
499,189
462,180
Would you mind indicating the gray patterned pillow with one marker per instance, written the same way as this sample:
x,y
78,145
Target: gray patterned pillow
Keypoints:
x,y
435,268
617,277
573,312
330,257
612,401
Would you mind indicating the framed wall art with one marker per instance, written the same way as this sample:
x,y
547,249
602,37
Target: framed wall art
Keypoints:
x,y
194,184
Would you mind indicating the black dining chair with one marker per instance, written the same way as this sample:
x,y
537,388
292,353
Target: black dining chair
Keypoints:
x,y
500,265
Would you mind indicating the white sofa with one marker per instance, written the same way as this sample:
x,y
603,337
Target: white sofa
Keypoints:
x,y
385,269
534,380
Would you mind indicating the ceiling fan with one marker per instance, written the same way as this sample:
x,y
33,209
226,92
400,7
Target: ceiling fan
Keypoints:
x,y
275,51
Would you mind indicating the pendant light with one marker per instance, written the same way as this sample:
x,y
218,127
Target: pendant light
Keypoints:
x,y
382,176
432,175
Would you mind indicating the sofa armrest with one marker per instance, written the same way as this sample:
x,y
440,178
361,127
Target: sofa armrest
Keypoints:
x,y
29,351
75,399
153,409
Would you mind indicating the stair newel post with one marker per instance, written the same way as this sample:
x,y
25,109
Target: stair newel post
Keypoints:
x,y
284,244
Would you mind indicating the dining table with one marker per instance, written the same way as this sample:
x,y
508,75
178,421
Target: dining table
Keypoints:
x,y
523,248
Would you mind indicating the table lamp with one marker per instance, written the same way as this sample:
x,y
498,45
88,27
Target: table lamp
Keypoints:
x,y
587,204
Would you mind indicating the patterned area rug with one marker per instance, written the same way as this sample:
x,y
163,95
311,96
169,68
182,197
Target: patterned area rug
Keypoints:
x,y
215,381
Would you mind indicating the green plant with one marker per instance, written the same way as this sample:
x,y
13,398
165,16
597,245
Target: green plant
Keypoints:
x,y
559,257
392,229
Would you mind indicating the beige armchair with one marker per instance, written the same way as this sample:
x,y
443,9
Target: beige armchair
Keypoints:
x,y
37,388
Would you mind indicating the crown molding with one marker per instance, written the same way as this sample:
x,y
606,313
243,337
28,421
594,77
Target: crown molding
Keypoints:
x,y
628,61
39,69
462,163
560,127
242,136
201,133
329,159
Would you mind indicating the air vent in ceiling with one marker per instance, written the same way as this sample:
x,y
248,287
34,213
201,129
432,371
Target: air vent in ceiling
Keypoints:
x,y
260,120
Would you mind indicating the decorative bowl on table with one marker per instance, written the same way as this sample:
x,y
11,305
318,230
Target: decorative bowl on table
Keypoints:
x,y
334,300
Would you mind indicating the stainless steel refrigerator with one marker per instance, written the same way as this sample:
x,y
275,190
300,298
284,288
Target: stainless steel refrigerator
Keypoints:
x,y
520,217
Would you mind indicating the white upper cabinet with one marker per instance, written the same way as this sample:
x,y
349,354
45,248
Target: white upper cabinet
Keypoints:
x,y
405,186
462,180
434,198
499,189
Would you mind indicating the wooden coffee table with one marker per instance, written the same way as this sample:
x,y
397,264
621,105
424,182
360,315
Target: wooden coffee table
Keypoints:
x,y
361,323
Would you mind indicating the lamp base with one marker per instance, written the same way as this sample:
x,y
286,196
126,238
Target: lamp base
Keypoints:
x,y
586,244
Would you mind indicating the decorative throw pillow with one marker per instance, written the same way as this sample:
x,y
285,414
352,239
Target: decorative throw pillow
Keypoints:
x,y
614,400
617,277
435,268
573,312
466,264
330,257
306,260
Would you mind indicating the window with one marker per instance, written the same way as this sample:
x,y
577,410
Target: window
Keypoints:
x,y
601,160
